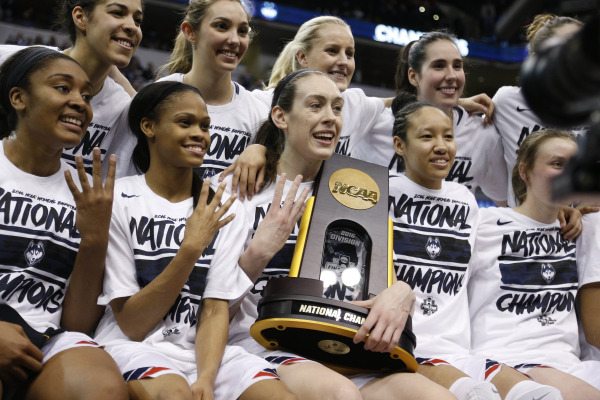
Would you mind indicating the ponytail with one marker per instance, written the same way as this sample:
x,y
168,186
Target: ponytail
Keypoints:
x,y
402,82
285,64
273,139
181,57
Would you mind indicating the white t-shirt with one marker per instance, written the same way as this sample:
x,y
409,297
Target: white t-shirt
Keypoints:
x,y
378,145
514,121
39,242
254,212
588,262
434,232
108,122
145,234
478,161
359,114
233,127
522,291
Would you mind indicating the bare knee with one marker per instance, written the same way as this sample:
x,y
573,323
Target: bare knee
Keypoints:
x,y
404,386
106,387
177,394
287,396
172,392
268,389
343,391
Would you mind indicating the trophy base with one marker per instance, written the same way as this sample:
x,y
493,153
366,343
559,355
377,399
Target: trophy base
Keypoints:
x,y
322,330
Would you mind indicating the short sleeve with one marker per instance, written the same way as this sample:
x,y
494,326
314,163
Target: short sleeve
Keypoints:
x,y
122,146
378,145
588,250
226,280
360,114
495,179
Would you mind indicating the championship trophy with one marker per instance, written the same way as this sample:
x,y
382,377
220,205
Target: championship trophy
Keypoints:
x,y
343,253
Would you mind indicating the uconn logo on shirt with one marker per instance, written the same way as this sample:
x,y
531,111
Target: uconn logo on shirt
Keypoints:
x,y
548,272
34,253
30,290
413,262
433,247
23,215
538,273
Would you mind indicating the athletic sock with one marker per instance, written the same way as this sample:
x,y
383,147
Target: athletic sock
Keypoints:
x,y
530,390
467,388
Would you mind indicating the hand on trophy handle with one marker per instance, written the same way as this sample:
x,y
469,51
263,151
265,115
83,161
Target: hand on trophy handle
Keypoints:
x,y
386,320
274,230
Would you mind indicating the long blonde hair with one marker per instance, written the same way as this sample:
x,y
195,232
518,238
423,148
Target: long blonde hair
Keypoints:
x,y
307,33
181,57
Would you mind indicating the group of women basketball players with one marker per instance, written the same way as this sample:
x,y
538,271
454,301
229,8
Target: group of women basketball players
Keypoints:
x,y
138,232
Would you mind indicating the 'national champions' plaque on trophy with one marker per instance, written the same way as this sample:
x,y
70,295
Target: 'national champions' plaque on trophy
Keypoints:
x,y
343,253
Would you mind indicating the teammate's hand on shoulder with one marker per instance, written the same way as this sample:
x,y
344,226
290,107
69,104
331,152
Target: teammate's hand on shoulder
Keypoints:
x,y
248,171
481,104
94,201
387,316
587,208
570,223
207,218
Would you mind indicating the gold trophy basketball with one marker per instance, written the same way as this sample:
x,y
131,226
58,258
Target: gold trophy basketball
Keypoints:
x,y
343,253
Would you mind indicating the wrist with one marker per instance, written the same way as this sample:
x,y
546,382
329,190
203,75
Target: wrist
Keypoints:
x,y
258,253
92,241
207,378
190,251
253,261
